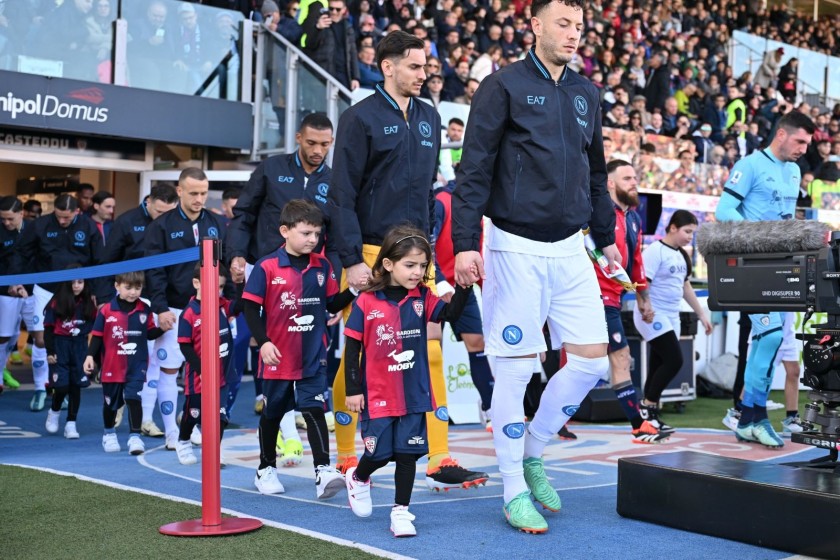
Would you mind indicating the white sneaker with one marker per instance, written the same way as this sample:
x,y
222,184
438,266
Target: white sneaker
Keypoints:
x,y
70,431
52,421
110,443
330,417
150,429
267,482
731,419
136,445
401,522
195,436
358,493
791,425
185,453
172,441
119,417
328,482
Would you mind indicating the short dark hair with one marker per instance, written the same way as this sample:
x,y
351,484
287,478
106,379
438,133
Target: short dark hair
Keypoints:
x,y
192,173
101,197
231,192
164,192
10,204
223,271
85,187
539,5
456,120
395,46
137,278
300,211
31,205
795,120
682,152
66,202
615,164
316,121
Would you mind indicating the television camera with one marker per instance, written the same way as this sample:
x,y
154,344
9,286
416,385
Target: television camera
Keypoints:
x,y
761,267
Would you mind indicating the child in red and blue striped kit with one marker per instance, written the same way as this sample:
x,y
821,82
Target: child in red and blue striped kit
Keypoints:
x,y
391,386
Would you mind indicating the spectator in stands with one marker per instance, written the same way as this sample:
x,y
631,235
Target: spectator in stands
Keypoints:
x,y
451,157
715,114
104,206
656,126
469,91
433,90
66,29
330,40
635,123
703,141
367,28
510,43
369,74
769,69
487,63
456,83
639,103
804,199
150,51
683,129
100,37
194,60
658,85
616,117
84,197
285,25
788,76
670,115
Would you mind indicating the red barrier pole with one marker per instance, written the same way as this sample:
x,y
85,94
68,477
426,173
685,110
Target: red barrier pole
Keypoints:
x,y
211,522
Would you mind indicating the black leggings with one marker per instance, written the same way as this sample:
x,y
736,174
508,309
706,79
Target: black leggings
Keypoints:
x,y
745,328
403,474
666,360
75,394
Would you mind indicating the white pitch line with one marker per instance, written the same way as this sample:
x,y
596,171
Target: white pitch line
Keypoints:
x,y
568,470
141,459
268,522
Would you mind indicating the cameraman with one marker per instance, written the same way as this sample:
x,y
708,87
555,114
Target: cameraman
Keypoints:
x,y
764,186
330,41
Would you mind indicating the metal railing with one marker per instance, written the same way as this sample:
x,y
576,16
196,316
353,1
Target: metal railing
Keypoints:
x,y
289,85
818,76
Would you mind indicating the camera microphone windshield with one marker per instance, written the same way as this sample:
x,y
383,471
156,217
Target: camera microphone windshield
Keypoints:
x,y
784,236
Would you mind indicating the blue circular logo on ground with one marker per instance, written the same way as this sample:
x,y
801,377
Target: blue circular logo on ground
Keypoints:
x,y
213,232
581,106
657,326
343,418
569,410
515,430
80,236
166,407
442,414
425,129
512,334
161,354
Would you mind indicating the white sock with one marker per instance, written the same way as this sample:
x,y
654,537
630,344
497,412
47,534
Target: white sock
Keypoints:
x,y
561,399
288,427
167,393
40,369
512,376
148,396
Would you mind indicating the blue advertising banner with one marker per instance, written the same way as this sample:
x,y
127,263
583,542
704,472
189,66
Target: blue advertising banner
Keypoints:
x,y
58,104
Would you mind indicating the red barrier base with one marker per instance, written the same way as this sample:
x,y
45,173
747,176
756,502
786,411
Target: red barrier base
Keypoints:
x,y
195,527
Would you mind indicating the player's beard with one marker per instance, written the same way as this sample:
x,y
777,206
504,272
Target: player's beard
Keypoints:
x,y
628,198
551,51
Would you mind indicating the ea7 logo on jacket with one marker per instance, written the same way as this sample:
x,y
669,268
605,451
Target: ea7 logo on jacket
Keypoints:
x,y
536,100
391,129
282,179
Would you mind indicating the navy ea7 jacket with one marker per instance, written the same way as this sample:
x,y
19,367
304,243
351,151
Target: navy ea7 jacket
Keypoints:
x,y
45,246
533,159
254,231
384,169
171,286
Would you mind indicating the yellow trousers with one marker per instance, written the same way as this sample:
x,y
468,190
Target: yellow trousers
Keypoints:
x,y
438,430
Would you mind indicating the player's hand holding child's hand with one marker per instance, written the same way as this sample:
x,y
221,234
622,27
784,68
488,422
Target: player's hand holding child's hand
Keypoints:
x,y
270,354
355,403
52,359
